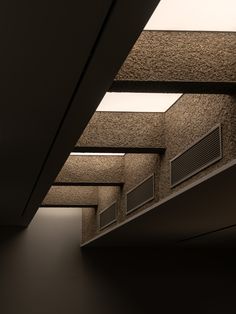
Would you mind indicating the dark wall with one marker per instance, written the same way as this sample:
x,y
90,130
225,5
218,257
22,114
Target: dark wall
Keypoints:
x,y
43,271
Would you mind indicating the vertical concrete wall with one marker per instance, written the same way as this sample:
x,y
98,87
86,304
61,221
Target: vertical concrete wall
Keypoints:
x,y
90,217
108,195
185,122
89,223
137,168
190,119
166,56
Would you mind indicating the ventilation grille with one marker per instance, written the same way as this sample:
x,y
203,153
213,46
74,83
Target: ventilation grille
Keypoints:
x,y
199,156
108,216
140,195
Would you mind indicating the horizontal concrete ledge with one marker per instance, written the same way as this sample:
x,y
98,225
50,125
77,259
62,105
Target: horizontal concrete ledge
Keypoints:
x,y
91,171
125,150
186,87
123,132
71,195
69,206
181,56
88,184
197,209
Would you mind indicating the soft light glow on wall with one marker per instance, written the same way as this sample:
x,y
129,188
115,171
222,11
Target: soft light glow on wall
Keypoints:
x,y
137,102
96,154
195,15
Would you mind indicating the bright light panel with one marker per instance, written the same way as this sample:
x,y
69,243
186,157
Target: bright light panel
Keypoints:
x,y
137,102
194,15
96,154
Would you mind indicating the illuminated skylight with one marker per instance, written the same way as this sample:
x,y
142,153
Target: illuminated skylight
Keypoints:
x,y
137,102
194,15
96,154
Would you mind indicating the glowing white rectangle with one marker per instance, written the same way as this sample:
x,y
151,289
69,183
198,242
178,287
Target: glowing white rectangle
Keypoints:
x,y
137,102
96,154
194,15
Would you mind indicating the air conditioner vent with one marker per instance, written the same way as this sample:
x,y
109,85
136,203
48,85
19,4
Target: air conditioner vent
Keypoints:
x,y
108,216
140,195
200,155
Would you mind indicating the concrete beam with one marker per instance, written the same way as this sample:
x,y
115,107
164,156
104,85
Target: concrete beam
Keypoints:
x,y
181,62
91,170
71,196
123,130
186,87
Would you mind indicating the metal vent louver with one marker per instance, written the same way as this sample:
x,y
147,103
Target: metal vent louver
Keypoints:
x,y
200,155
140,195
108,216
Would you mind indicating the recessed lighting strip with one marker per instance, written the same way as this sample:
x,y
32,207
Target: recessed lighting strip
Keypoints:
x,y
138,102
96,154
194,15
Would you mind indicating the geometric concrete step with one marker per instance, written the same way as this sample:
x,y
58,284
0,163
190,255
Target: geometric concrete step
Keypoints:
x,y
91,170
195,211
181,56
71,196
127,132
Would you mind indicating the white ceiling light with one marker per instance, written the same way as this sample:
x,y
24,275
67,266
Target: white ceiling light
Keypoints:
x,y
96,154
137,102
194,15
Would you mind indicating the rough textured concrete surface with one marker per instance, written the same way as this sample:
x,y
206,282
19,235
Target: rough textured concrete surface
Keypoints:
x,y
94,169
89,223
188,56
137,168
71,195
106,196
156,56
188,120
124,129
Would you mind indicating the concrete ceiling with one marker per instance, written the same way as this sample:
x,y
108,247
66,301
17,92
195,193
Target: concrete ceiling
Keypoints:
x,y
53,54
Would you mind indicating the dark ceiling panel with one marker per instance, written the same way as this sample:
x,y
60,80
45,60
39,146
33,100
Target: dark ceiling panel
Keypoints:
x,y
53,54
222,238
44,48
